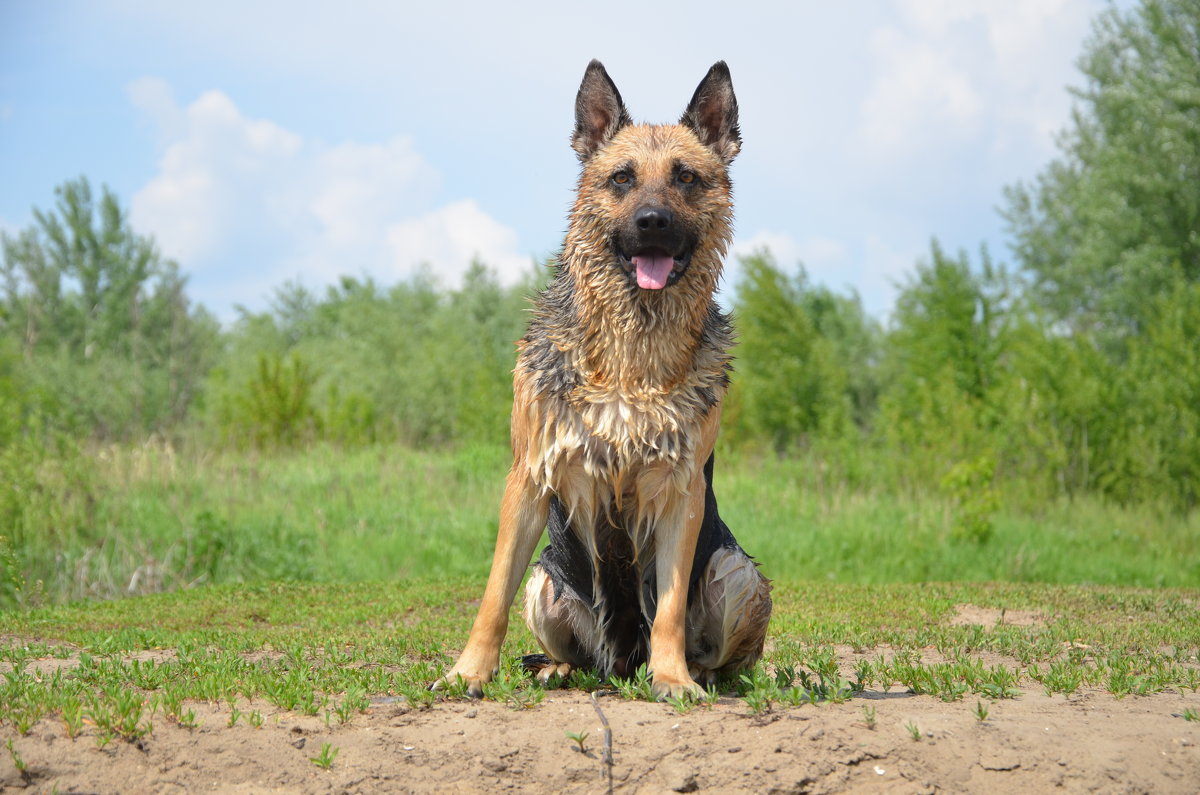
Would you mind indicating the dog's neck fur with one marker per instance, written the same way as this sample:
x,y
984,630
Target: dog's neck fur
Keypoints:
x,y
636,344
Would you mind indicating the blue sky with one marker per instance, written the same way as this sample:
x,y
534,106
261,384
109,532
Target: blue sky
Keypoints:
x,y
262,142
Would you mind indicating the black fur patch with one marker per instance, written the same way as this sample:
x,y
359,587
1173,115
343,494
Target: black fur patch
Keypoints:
x,y
554,309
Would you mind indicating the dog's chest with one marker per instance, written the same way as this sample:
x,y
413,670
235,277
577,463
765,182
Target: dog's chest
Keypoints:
x,y
630,446
601,434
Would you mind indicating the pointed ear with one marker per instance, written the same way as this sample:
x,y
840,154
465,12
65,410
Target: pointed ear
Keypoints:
x,y
713,113
599,111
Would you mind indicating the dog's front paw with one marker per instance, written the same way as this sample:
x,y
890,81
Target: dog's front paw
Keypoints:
x,y
665,686
474,684
473,676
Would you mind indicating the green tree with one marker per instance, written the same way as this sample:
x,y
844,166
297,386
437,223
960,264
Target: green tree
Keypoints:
x,y
943,360
1057,407
411,363
104,327
951,318
1113,221
804,358
1155,452
475,352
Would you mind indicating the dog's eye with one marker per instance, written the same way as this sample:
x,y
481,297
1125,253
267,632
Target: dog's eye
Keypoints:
x,y
621,178
687,177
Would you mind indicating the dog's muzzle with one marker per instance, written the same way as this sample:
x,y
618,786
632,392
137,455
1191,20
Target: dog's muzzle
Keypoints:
x,y
653,249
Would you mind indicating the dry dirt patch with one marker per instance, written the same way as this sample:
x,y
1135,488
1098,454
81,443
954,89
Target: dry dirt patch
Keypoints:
x,y
1088,742
973,615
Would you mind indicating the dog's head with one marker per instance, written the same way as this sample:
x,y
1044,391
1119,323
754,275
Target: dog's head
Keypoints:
x,y
654,207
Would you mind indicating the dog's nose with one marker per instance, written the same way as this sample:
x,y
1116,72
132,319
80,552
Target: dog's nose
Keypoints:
x,y
653,219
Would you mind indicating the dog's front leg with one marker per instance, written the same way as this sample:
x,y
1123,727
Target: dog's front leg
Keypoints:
x,y
523,514
674,549
675,546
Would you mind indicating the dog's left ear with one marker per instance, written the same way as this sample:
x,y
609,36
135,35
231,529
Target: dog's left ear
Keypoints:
x,y
713,113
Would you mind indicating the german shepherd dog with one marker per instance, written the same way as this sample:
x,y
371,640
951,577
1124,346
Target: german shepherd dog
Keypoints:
x,y
617,400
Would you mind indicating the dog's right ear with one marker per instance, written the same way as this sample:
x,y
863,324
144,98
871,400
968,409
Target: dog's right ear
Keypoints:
x,y
599,111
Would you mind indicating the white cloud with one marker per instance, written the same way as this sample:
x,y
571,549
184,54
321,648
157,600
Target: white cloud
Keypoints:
x,y
917,86
935,17
952,69
871,266
450,238
1019,30
220,174
824,258
248,198
822,252
364,186
154,98
826,261
783,247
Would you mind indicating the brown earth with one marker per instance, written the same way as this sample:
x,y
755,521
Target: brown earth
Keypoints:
x,y
1089,742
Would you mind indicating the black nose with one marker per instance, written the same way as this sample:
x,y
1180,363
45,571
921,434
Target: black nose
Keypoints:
x,y
653,219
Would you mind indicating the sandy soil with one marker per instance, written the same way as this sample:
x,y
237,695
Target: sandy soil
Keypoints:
x,y
1089,742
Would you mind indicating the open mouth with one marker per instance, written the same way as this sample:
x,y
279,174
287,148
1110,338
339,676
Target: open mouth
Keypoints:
x,y
654,268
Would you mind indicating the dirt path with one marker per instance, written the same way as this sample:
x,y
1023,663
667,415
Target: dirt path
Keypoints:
x,y
1089,742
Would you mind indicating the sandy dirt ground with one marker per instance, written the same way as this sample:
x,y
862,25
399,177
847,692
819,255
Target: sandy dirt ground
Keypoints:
x,y
1089,742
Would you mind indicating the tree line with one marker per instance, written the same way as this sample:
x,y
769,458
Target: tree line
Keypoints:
x,y
1075,371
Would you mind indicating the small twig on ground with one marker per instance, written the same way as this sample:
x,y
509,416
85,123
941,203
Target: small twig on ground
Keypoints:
x,y
606,758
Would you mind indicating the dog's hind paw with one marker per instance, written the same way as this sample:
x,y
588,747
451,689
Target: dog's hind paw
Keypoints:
x,y
705,677
545,668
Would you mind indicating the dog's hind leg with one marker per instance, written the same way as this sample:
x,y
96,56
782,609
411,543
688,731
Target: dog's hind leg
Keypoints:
x,y
556,622
727,617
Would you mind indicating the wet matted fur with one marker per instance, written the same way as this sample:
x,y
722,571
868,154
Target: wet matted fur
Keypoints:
x,y
617,401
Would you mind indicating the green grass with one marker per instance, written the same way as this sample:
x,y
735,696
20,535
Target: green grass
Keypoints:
x,y
123,521
145,519
325,759
315,581
113,670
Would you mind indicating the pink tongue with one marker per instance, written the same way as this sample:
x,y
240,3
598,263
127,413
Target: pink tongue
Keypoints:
x,y
652,272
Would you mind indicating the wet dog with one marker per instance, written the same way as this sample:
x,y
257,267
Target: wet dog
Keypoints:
x,y
617,402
